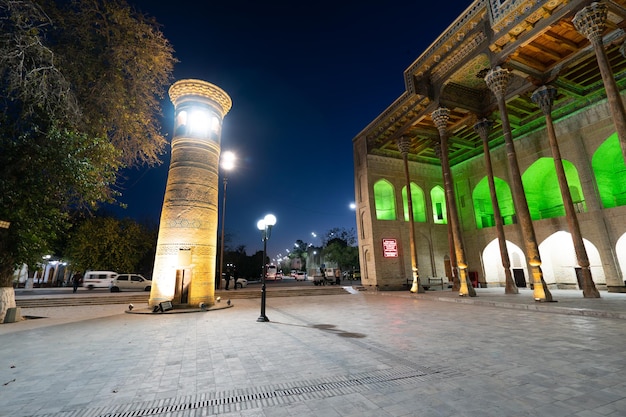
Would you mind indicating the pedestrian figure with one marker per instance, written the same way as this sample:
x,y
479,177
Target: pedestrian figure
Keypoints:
x,y
337,276
227,278
76,279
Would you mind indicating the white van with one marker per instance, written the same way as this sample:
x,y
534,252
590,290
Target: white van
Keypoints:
x,y
98,279
271,273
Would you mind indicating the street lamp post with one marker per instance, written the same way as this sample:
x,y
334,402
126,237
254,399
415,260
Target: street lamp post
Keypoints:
x,y
228,163
265,226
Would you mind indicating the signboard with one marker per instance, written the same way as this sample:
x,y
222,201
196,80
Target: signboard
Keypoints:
x,y
390,248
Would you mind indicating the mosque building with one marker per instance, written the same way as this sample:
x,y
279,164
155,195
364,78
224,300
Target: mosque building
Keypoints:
x,y
502,164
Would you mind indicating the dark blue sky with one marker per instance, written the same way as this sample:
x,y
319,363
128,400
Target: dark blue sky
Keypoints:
x,y
305,79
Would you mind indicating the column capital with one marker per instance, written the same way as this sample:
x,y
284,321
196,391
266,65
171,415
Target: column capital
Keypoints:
x,y
440,117
544,97
498,80
591,21
404,144
482,127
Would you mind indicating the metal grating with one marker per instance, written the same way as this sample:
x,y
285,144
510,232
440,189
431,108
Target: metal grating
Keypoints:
x,y
227,401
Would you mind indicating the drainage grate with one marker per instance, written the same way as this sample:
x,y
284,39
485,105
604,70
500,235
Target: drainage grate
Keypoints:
x,y
405,372
225,402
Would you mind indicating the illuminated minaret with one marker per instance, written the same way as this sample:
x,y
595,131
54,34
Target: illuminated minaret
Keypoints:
x,y
184,265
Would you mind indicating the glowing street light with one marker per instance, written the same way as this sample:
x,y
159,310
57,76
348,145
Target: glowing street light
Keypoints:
x,y
227,163
265,226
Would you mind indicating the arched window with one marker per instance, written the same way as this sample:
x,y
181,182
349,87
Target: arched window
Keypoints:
x,y
418,202
610,172
483,208
438,198
385,200
542,190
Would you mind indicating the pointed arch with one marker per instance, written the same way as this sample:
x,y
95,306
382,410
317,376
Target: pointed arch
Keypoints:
x,y
610,172
483,208
438,201
543,194
559,261
620,250
492,261
418,203
385,200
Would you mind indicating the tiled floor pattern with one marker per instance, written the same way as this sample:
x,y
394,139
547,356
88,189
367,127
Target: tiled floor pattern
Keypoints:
x,y
348,355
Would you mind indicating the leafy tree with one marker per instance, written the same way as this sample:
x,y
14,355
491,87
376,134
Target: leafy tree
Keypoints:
x,y
106,243
347,235
119,64
339,248
80,87
299,251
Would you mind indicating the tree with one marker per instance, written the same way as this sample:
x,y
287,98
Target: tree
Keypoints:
x,y
339,248
79,99
346,235
109,244
124,66
299,251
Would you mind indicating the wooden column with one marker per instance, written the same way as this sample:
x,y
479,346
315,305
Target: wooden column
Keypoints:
x,y
456,283
544,97
404,144
497,80
440,118
590,22
482,128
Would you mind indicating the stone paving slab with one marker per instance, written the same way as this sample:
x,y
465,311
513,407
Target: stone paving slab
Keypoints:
x,y
359,354
572,302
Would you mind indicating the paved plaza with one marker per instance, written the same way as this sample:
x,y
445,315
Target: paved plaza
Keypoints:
x,y
357,354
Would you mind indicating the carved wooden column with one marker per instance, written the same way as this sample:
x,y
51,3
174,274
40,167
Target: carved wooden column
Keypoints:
x,y
482,128
456,283
404,144
544,97
497,80
590,22
440,117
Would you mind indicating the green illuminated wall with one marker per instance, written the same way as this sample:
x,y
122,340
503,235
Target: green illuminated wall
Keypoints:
x,y
542,189
610,171
438,199
418,202
483,207
385,200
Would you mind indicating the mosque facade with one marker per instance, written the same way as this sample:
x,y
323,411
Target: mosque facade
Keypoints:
x,y
502,164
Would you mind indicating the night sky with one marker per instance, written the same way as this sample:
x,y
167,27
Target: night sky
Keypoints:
x,y
305,78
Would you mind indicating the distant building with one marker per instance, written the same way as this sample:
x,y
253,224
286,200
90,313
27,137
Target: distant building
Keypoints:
x,y
503,69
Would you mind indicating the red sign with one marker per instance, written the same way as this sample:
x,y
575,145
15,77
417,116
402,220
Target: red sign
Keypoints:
x,y
390,248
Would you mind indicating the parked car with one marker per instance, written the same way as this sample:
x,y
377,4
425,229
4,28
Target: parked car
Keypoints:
x,y
241,283
98,279
300,276
130,282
